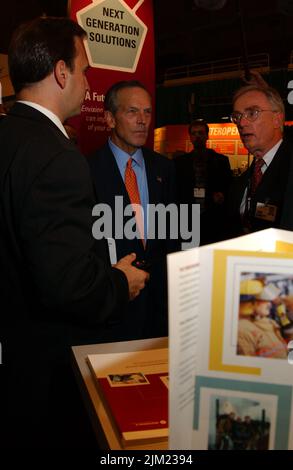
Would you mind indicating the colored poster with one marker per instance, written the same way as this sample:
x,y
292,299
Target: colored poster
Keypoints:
x,y
230,335
119,46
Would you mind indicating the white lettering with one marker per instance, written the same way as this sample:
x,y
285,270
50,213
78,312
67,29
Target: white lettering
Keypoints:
x,y
290,95
111,460
94,96
224,131
163,222
102,228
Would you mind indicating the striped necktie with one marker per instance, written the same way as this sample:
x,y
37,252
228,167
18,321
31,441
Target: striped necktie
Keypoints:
x,y
256,175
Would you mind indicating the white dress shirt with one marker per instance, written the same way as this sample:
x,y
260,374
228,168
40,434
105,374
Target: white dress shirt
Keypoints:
x,y
268,158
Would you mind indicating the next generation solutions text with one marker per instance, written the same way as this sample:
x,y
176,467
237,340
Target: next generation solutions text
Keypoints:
x,y
113,27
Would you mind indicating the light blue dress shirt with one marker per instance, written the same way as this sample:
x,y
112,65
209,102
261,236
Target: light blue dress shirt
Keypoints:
x,y
138,166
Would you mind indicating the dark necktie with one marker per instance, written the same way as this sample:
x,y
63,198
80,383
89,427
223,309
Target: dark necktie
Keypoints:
x,y
254,182
133,193
256,175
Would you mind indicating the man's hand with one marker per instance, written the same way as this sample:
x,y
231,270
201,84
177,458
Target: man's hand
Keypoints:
x,y
136,277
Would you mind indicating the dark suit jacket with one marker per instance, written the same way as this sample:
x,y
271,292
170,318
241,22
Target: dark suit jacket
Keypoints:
x,y
287,213
147,314
271,190
218,179
57,284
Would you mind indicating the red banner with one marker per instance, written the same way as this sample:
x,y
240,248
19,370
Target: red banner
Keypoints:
x,y
119,46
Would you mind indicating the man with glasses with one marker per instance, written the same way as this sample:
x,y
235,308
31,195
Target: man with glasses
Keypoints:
x,y
257,196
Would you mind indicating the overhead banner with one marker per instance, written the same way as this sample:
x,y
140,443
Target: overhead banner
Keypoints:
x,y
119,46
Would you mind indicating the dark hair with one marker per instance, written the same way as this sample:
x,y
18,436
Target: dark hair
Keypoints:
x,y
199,122
110,102
38,45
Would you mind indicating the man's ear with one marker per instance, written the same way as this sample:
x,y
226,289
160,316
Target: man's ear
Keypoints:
x,y
278,120
110,119
61,73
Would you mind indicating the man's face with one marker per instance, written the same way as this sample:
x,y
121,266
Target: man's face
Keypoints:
x,y
262,308
198,136
262,134
77,80
130,124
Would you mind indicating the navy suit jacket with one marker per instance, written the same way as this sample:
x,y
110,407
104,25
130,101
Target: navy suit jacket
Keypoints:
x,y
218,179
287,213
147,314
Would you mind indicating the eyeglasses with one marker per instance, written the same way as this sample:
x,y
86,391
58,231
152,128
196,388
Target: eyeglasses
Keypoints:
x,y
251,115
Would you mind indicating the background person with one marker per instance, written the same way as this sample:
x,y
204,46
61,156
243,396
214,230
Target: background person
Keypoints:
x,y
258,334
203,177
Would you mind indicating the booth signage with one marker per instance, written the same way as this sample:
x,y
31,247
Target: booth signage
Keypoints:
x,y
115,35
119,46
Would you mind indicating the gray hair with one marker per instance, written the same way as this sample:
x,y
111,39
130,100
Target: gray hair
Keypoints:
x,y
272,95
111,97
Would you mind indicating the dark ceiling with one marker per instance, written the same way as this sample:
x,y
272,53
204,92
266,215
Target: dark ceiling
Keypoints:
x,y
192,31
191,34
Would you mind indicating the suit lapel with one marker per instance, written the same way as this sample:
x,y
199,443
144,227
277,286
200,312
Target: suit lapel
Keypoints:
x,y
116,179
272,172
153,179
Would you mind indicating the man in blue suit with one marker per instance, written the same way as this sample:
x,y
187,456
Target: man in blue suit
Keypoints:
x,y
128,111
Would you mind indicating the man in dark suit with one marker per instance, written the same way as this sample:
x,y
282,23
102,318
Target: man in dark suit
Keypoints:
x,y
57,284
128,112
204,177
287,215
256,200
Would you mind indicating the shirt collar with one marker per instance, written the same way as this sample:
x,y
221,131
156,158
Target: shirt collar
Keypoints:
x,y
122,157
268,157
47,113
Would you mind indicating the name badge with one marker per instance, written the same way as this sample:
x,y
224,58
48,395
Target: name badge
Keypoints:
x,y
266,211
112,250
199,192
